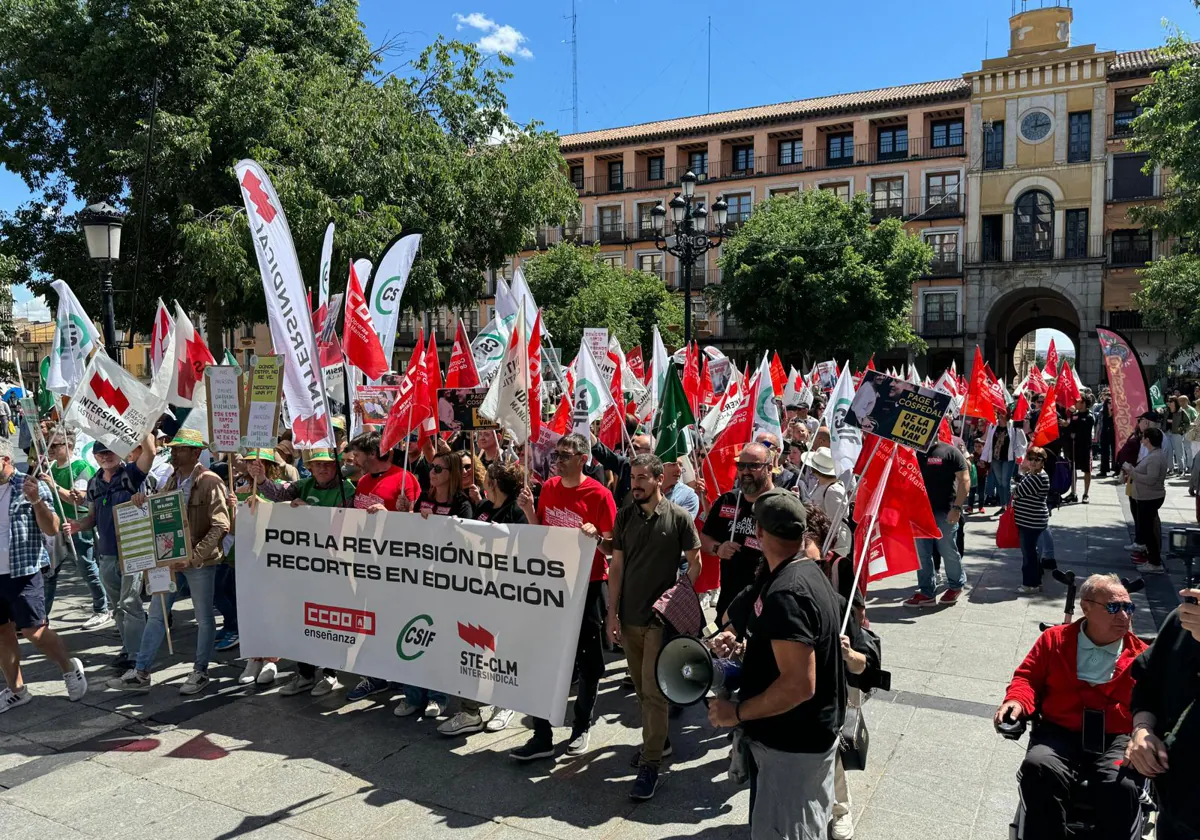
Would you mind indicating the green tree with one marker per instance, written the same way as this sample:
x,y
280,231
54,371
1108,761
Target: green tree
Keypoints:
x,y
575,291
349,134
1169,132
811,277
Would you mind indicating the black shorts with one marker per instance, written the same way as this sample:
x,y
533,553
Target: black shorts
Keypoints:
x,y
23,600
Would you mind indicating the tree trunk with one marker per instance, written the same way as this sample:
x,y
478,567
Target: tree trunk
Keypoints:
x,y
214,323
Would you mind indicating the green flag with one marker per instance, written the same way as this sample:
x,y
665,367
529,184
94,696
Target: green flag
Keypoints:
x,y
1156,396
674,416
45,397
231,359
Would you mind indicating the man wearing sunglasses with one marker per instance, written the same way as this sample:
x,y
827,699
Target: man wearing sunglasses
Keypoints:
x,y
1079,678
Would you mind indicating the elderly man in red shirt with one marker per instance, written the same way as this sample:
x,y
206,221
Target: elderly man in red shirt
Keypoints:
x,y
1078,677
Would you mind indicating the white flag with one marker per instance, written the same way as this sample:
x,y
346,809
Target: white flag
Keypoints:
x,y
387,288
913,376
713,423
111,406
659,360
506,304
524,298
287,309
75,336
845,441
766,412
162,336
629,379
326,263
488,348
591,397
507,400
796,392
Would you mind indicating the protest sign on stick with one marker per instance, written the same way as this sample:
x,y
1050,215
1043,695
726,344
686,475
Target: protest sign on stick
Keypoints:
x,y
224,407
260,421
898,410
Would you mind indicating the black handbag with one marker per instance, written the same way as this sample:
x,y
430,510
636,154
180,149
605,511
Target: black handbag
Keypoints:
x,y
854,739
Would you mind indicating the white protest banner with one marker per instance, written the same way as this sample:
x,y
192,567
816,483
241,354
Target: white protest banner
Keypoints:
x,y
596,340
326,264
224,408
482,611
261,419
113,407
75,338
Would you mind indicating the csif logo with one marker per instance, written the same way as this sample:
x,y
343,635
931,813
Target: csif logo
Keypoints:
x,y
415,638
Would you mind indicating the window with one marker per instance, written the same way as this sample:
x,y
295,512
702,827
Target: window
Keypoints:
x,y
650,263
839,148
887,195
654,168
616,175
790,152
698,163
1130,247
893,143
945,251
841,190
947,133
743,158
1125,111
940,311
473,321
614,260
1128,179
1033,226
645,219
778,191
993,146
992,233
1079,137
610,224
1075,239
739,208
577,177
941,191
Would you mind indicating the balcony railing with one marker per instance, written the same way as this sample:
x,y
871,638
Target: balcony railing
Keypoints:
x,y
701,277
1010,251
1136,188
1126,320
937,327
926,207
1120,122
945,265
1131,254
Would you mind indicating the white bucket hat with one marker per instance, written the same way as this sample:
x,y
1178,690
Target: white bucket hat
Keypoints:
x,y
820,460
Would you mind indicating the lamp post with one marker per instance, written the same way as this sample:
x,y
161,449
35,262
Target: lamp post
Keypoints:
x,y
691,239
101,225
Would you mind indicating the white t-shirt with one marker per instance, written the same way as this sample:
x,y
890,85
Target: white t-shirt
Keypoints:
x,y
5,528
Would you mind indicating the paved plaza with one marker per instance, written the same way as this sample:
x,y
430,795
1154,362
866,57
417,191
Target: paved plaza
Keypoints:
x,y
240,762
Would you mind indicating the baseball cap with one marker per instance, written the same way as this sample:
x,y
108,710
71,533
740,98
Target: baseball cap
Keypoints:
x,y
781,514
99,448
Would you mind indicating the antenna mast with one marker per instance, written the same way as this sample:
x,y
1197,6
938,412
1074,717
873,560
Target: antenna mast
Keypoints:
x,y
708,102
574,72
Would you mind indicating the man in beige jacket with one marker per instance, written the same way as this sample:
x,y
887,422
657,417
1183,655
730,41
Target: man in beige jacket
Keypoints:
x,y
208,522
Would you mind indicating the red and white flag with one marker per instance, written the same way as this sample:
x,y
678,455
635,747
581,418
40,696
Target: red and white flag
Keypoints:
x,y
159,336
192,356
461,372
360,342
412,406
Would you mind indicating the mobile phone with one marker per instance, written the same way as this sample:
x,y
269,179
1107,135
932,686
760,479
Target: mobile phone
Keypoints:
x,y
1190,579
1093,730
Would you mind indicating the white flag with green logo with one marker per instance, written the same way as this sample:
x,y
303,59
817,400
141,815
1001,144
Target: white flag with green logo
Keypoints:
x,y
592,396
75,337
766,410
387,288
487,349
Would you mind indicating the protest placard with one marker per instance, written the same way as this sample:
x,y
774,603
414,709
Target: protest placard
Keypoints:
x,y
373,402
458,410
260,421
898,410
596,339
168,518
135,537
224,407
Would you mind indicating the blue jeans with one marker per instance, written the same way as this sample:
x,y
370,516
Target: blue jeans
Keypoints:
x,y
1031,567
947,546
1003,471
124,594
1045,544
420,696
85,564
202,583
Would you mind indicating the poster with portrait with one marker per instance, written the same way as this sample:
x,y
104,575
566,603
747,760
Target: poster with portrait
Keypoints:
x,y
373,402
898,410
458,410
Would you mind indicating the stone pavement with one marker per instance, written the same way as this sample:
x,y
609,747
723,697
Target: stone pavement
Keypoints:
x,y
240,762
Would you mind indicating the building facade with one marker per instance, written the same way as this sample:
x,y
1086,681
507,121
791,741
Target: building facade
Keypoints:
x,y
1015,174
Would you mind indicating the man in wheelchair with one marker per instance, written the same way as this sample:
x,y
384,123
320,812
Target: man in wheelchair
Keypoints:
x,y
1076,685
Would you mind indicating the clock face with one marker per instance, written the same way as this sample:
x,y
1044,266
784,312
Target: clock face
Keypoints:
x,y
1035,126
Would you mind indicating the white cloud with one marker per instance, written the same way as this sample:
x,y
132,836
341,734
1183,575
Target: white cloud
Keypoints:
x,y
497,37
35,309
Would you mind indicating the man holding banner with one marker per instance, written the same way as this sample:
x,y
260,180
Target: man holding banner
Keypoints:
x,y
947,481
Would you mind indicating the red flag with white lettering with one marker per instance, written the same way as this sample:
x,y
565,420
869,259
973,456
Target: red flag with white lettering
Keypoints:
x,y
1046,430
360,342
1051,368
461,372
411,408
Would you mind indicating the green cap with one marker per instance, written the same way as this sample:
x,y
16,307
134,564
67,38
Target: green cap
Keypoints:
x,y
781,514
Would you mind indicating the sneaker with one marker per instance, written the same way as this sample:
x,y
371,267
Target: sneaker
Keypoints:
x,y
98,620
950,597
435,709
1028,590
637,756
194,684
981,511
268,673
131,680
227,641
500,720
463,723
76,681
327,684
123,662
253,669
1136,547
1152,569
579,742
405,708
532,750
365,688
920,599
297,685
10,699
842,828
645,784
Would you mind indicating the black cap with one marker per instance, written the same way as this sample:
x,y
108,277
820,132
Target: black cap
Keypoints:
x,y
781,514
1152,416
99,448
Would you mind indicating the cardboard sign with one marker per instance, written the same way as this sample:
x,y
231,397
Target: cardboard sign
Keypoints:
x,y
135,538
596,339
153,535
458,410
260,422
224,407
898,410
160,581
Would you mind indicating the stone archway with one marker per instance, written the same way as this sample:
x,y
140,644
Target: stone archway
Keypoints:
x,y
1019,313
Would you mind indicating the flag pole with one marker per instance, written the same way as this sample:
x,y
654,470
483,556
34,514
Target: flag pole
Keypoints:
x,y
866,547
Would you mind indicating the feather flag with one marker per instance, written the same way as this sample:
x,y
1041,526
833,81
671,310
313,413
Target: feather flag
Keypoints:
x,y
361,342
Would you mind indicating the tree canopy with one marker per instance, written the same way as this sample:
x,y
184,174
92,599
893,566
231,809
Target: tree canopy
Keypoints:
x,y
811,277
350,133
575,291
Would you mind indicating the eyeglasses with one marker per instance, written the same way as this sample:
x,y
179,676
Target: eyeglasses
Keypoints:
x,y
749,466
1114,607
437,469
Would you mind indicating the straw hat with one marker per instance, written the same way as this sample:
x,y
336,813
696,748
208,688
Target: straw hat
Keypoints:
x,y
314,455
188,437
260,455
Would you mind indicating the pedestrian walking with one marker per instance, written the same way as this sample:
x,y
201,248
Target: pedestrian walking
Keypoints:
x,y
1032,516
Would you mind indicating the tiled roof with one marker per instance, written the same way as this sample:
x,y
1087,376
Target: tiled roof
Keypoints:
x,y
1145,61
799,109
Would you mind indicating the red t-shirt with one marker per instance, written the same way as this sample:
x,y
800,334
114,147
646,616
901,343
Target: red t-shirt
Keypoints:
x,y
386,488
571,507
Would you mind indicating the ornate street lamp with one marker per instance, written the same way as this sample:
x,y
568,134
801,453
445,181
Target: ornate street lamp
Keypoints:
x,y
692,238
101,225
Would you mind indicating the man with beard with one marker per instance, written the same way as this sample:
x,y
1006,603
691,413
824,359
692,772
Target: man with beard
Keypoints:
x,y
729,530
648,538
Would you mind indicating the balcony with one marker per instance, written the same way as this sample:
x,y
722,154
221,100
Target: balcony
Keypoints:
x,y
938,327
1126,320
1009,251
701,277
1137,188
945,265
925,207
1125,253
1120,122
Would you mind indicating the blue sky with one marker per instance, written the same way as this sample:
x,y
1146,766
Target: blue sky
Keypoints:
x,y
640,62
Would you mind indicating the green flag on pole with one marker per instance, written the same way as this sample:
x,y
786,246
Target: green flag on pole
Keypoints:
x,y
674,416
45,397
1156,396
231,359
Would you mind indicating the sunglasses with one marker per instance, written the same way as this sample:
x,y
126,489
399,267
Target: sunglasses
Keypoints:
x,y
1114,607
747,466
437,469
564,456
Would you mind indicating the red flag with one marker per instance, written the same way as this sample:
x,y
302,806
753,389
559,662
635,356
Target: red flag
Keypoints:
x,y
158,336
944,433
871,362
361,343
412,406
893,550
634,359
1051,368
535,378
720,469
561,423
707,395
461,373
1035,382
610,423
691,377
192,357
1021,409
979,403
433,382
995,391
1067,389
857,378
1046,429
778,376
904,489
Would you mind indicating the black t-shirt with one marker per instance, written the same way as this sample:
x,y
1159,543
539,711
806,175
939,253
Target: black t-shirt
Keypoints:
x,y
738,571
939,466
795,603
459,506
507,514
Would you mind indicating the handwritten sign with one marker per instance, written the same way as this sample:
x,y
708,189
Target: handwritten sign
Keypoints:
x,y
224,407
596,339
260,428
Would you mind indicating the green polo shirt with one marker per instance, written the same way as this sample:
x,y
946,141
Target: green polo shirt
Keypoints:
x,y
1095,664
652,545
65,477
